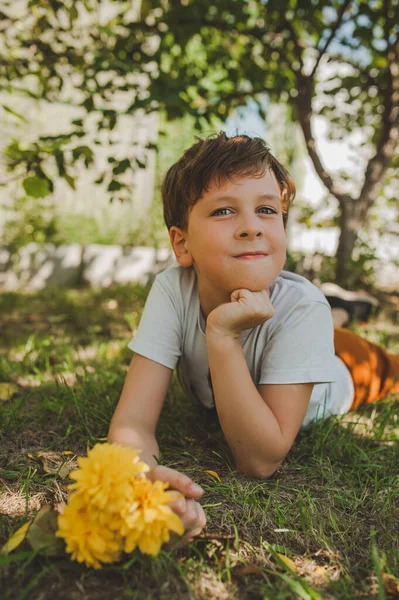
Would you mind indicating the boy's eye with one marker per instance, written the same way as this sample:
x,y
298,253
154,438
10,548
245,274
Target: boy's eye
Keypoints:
x,y
218,212
268,211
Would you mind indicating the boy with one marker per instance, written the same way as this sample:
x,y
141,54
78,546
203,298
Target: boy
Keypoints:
x,y
246,337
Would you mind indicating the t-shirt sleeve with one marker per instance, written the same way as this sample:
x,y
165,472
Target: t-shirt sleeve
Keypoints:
x,y
159,334
301,350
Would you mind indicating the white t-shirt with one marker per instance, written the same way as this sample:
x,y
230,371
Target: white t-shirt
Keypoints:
x,y
295,346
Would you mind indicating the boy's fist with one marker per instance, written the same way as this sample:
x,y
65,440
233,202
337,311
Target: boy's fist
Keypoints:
x,y
191,512
246,310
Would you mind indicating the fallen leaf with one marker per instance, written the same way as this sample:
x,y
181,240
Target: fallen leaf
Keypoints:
x,y
66,452
213,474
250,569
41,533
54,463
7,390
16,539
290,563
391,584
102,439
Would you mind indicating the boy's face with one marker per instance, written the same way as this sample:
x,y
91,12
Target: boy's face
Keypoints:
x,y
226,222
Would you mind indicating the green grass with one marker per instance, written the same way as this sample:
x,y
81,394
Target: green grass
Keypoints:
x,y
332,507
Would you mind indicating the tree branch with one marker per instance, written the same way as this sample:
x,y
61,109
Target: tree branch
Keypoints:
x,y
304,106
389,138
297,44
334,30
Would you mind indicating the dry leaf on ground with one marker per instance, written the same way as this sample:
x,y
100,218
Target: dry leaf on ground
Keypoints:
x,y
249,569
16,539
55,463
290,563
391,584
7,390
212,474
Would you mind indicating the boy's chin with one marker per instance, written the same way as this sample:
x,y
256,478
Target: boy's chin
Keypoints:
x,y
254,286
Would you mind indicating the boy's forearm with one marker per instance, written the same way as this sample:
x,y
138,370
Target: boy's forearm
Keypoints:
x,y
138,440
250,427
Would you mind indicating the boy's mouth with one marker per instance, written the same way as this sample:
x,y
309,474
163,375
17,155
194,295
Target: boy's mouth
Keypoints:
x,y
251,255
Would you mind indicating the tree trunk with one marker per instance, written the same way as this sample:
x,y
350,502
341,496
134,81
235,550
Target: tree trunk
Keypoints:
x,y
352,218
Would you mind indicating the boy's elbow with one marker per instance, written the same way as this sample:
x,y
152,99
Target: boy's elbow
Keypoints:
x,y
258,471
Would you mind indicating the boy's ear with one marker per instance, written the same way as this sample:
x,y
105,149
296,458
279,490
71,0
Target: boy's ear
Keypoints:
x,y
180,248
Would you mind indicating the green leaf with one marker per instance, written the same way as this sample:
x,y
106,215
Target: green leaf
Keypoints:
x,y
100,179
70,181
73,13
297,584
121,167
296,587
114,186
14,113
41,533
8,559
145,8
37,187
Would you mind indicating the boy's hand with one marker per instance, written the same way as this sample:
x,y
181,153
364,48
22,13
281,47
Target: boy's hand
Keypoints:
x,y
190,511
246,309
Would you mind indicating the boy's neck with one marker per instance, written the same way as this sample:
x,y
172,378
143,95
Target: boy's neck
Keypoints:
x,y
208,304
211,300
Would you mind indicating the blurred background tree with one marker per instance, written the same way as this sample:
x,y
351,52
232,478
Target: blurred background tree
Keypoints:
x,y
335,59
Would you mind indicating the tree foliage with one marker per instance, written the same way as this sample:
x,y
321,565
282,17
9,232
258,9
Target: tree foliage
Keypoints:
x,y
91,55
335,58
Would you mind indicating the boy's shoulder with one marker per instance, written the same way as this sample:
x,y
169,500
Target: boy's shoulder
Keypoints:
x,y
297,288
176,275
178,283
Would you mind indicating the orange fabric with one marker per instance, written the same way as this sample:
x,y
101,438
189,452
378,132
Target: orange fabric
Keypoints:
x,y
374,371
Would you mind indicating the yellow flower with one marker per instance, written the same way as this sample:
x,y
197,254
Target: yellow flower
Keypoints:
x,y
114,508
86,538
105,478
148,520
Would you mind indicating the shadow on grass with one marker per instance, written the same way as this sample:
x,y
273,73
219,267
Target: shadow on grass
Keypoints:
x,y
339,483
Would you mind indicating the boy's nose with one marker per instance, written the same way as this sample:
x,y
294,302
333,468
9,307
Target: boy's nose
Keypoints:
x,y
248,227
248,232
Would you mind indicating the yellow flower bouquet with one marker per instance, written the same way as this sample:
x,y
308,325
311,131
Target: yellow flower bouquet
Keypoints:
x,y
114,508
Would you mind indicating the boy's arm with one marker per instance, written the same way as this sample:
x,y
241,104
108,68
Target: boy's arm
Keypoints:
x,y
136,416
134,424
260,425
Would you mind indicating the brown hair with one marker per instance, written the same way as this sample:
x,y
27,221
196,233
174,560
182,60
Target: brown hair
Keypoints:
x,y
218,158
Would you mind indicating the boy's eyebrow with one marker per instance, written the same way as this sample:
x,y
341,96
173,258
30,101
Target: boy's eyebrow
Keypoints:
x,y
261,197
